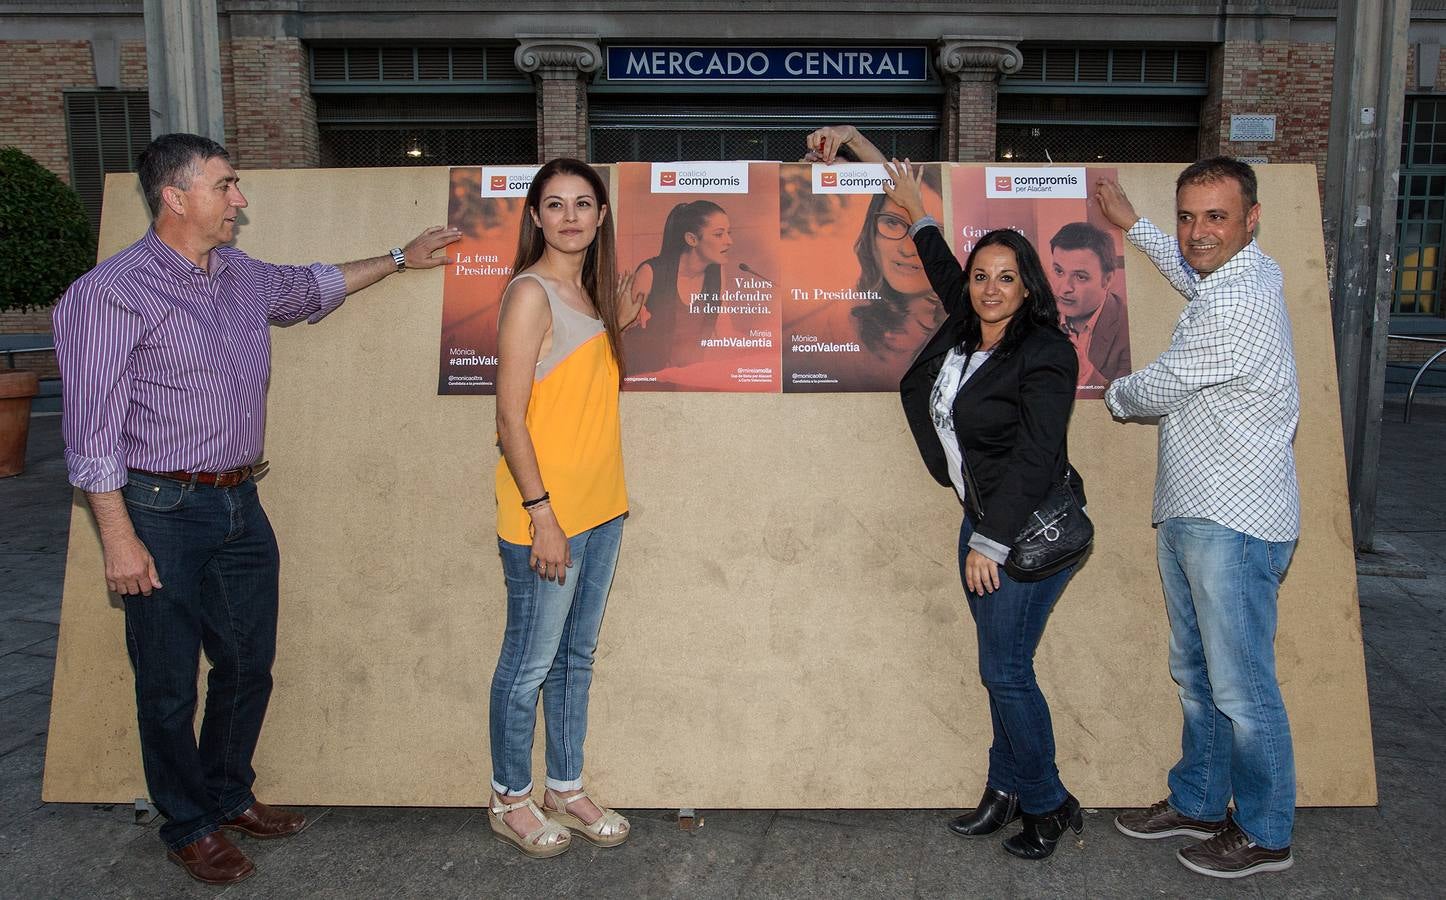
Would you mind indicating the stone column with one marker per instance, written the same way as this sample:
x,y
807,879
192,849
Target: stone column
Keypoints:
x,y
560,65
183,65
971,69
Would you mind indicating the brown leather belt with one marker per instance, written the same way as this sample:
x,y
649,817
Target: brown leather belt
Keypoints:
x,y
226,479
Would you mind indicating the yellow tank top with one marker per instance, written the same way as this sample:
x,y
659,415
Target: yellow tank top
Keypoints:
x,y
573,420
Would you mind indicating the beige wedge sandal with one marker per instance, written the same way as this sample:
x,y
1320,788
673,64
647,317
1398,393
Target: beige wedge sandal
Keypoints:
x,y
548,839
609,830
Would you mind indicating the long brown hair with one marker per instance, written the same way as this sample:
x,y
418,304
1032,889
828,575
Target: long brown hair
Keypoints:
x,y
599,267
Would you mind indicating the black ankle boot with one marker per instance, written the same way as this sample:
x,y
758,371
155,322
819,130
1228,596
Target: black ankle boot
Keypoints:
x,y
995,810
1042,832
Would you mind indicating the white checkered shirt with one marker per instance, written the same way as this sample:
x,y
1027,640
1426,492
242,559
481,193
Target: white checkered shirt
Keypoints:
x,y
1226,394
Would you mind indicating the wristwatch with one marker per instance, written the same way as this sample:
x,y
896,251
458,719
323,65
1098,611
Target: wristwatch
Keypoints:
x,y
399,258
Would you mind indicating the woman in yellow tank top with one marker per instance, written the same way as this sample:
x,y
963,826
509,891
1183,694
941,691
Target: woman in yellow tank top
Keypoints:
x,y
560,501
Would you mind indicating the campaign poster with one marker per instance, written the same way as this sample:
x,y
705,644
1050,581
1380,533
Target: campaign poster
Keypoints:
x,y
486,204
1082,253
857,305
701,242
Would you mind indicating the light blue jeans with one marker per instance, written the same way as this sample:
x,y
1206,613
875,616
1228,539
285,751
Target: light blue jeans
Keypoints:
x,y
551,635
1220,588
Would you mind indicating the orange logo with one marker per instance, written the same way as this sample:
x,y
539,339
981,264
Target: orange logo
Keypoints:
x,y
668,179
1003,183
499,182
828,179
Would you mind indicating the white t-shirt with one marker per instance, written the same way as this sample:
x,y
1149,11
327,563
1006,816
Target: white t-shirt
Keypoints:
x,y
957,369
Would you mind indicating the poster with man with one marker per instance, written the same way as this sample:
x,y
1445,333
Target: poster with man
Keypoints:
x,y
857,305
1081,251
701,239
486,204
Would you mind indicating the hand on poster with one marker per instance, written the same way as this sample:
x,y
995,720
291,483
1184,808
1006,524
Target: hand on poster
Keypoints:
x,y
905,189
419,249
630,302
826,144
1114,204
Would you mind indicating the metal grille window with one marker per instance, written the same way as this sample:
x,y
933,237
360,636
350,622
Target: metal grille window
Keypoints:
x,y
1421,209
106,131
1103,104
678,127
1125,67
388,65
422,106
1084,128
426,129
365,147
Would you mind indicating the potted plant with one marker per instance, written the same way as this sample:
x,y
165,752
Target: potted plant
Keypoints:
x,y
45,244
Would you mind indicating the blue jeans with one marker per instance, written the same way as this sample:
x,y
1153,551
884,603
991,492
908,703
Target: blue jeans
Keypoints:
x,y
1220,588
551,635
216,556
1009,624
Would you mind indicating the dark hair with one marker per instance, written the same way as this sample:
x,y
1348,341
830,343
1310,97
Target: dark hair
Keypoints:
x,y
1218,168
1039,309
599,266
1084,236
172,160
891,310
683,220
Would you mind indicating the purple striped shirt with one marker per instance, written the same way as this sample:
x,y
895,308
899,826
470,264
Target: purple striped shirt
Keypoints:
x,y
165,366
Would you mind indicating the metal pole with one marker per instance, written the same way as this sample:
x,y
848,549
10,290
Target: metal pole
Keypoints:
x,y
1367,105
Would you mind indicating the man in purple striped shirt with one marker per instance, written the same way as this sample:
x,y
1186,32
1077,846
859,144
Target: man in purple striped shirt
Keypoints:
x,y
165,356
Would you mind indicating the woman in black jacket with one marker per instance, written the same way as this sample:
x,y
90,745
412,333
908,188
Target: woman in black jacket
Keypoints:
x,y
993,387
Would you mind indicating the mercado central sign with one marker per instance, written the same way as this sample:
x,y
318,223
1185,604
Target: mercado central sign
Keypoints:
x,y
891,64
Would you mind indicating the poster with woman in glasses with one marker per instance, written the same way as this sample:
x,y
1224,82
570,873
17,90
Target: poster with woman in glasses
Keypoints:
x,y
856,302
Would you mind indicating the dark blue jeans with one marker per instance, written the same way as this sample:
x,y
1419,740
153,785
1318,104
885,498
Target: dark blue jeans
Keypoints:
x,y
1009,624
216,556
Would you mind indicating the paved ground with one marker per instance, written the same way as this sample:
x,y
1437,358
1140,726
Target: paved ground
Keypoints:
x,y
55,850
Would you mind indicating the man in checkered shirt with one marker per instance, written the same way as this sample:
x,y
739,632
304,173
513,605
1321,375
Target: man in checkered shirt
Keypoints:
x,y
1227,511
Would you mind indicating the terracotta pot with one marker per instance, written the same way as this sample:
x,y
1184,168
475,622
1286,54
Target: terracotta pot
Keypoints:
x,y
17,387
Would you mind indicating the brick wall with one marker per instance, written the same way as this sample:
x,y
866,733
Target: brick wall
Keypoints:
x,y
32,111
1291,81
33,75
561,114
1411,71
270,113
970,119
33,321
133,67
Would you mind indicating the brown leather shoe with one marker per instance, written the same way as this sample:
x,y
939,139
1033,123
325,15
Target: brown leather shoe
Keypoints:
x,y
213,860
1161,820
1232,854
262,821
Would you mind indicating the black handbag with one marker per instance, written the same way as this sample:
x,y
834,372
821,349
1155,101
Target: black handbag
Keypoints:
x,y
1057,535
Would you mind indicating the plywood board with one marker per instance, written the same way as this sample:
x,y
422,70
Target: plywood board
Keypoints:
x,y
787,627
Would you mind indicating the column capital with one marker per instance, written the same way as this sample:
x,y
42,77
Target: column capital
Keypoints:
x,y
979,58
578,54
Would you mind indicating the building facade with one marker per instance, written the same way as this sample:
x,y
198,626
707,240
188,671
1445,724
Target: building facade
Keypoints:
x,y
306,83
